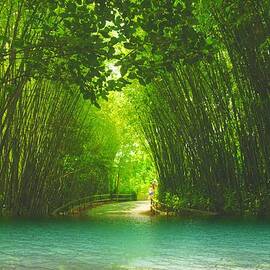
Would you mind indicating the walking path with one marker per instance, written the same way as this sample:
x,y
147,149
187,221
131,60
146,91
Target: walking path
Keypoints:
x,y
133,208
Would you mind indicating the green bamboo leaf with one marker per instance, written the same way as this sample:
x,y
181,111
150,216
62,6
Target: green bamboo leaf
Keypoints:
x,y
124,69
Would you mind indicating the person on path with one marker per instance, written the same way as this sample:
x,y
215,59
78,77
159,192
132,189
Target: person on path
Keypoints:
x,y
154,185
151,192
151,195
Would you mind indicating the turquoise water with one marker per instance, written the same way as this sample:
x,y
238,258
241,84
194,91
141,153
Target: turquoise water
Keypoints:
x,y
134,243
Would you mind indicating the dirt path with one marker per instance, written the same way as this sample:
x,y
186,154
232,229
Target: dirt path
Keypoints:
x,y
134,209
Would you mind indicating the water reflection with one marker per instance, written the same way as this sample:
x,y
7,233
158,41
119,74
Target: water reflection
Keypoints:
x,y
134,243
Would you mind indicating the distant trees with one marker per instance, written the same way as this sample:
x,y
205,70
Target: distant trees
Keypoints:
x,y
133,168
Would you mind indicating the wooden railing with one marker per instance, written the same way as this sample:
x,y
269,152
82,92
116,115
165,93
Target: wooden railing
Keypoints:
x,y
85,202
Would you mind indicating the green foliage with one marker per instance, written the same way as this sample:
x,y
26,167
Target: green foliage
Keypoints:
x,y
198,76
89,155
205,118
158,35
174,202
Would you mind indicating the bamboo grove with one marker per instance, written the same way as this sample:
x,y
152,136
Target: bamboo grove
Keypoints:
x,y
43,119
202,104
208,121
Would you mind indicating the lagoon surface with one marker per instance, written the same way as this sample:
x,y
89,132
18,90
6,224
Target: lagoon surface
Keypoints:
x,y
134,242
